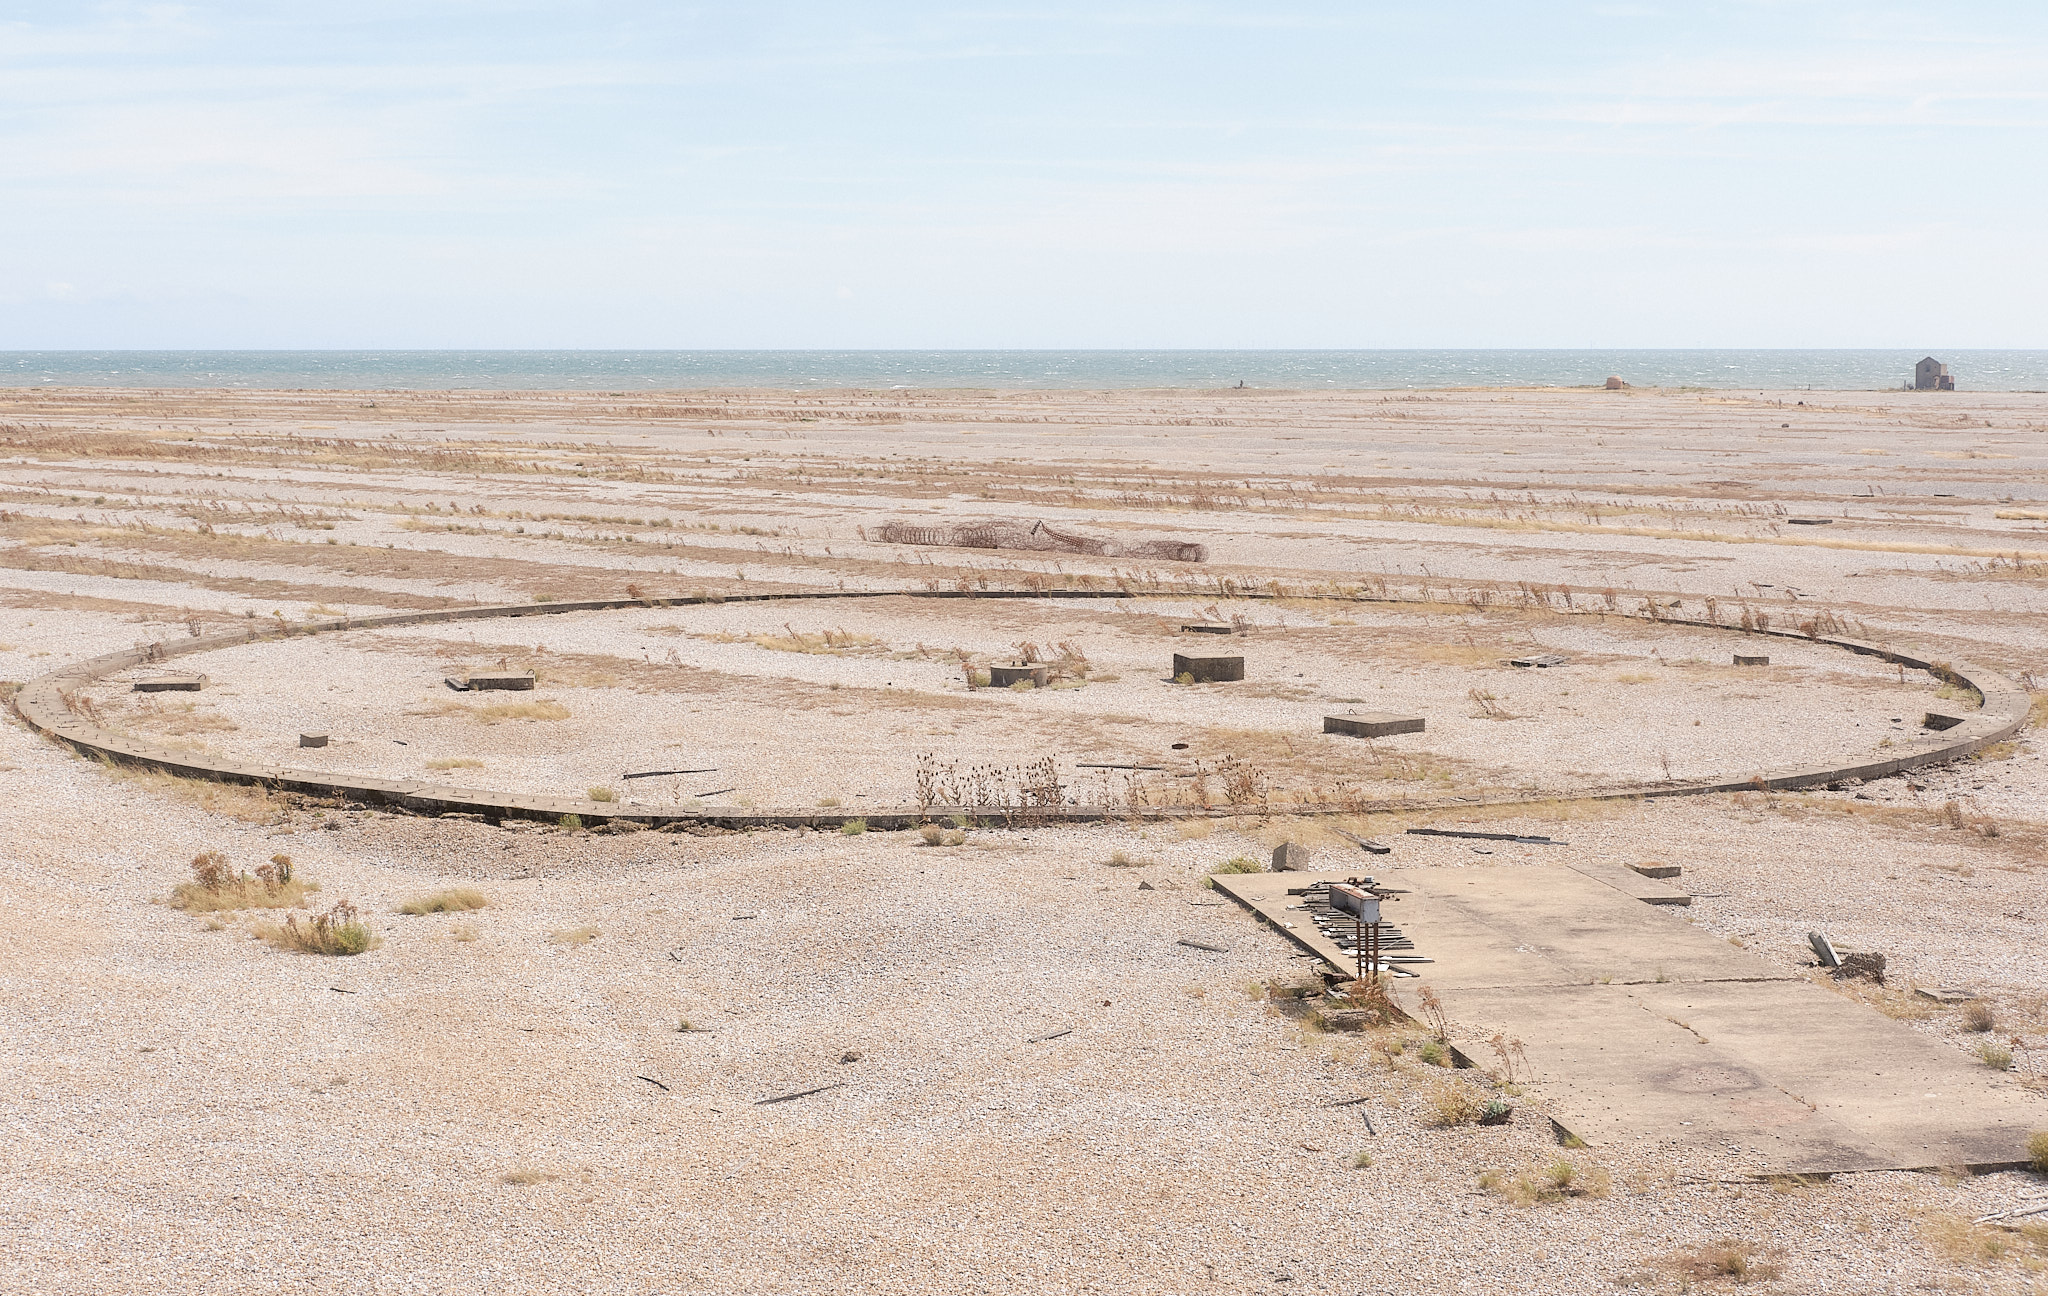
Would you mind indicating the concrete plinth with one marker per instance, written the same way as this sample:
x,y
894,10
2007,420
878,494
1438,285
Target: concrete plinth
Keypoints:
x,y
1206,629
1642,1029
1036,673
1741,660
1373,724
171,684
1208,670
312,740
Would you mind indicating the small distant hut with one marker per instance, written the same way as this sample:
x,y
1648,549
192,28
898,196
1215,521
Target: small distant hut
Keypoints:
x,y
1932,375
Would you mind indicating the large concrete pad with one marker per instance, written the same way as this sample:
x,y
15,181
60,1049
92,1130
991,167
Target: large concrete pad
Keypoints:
x,y
1641,1029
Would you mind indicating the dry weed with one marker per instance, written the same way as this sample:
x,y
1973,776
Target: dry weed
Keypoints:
x,y
1560,1181
575,937
454,900
217,886
1451,1103
340,932
1727,1259
455,762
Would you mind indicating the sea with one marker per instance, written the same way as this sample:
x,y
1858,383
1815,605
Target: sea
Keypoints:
x,y
641,371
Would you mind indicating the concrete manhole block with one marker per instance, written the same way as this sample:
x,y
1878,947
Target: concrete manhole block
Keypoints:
x,y
171,684
1035,673
1207,628
1208,670
1741,660
1373,724
312,740
516,681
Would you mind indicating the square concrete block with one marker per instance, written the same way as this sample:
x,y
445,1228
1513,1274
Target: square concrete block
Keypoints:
x,y
1206,628
1741,660
1373,724
1004,676
171,684
1290,857
312,740
1208,670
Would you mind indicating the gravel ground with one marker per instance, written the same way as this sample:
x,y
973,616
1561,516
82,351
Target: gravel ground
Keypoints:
x,y
1037,1087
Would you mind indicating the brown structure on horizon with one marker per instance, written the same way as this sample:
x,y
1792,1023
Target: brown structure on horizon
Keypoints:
x,y
1932,375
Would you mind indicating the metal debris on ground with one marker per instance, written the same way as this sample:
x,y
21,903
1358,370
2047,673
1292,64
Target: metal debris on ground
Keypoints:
x,y
1334,908
708,769
1195,944
801,1093
1366,844
1824,950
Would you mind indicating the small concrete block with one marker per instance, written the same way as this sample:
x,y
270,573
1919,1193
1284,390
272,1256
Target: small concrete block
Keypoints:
x,y
1004,676
312,740
1741,660
1208,670
1824,950
1290,857
517,681
1656,870
1936,720
1373,724
1945,994
1206,628
171,684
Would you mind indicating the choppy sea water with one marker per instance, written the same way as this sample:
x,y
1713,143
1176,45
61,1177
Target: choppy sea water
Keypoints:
x,y
628,371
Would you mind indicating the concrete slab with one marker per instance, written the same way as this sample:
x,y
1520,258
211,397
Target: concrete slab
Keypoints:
x,y
1372,724
171,684
1034,673
1641,1029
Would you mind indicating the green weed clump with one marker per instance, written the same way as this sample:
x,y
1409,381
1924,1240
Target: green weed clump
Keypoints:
x,y
455,900
2037,1151
853,827
216,885
1239,864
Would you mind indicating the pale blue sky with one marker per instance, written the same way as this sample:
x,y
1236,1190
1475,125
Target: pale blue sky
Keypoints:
x,y
487,173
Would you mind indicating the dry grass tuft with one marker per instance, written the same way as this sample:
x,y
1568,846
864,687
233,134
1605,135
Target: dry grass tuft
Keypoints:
x,y
1977,1017
462,932
526,1177
455,762
1450,1104
339,933
454,900
544,709
1960,1241
575,937
249,803
1560,1181
1727,1259
217,886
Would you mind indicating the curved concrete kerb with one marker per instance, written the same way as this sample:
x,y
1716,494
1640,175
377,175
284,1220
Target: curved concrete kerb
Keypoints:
x,y
44,703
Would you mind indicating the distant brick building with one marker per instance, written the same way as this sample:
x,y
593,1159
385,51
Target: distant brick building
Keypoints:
x,y
1932,375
